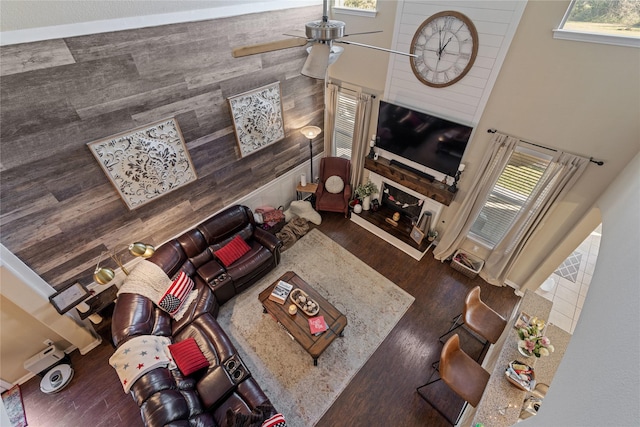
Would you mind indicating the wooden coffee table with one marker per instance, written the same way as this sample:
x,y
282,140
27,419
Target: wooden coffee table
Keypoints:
x,y
297,325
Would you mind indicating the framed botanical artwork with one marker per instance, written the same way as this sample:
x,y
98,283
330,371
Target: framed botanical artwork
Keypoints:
x,y
67,298
257,118
145,163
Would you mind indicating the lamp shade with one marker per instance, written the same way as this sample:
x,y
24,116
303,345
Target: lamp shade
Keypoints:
x,y
103,275
311,131
317,62
141,249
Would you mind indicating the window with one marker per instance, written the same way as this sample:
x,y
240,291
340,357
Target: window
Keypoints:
x,y
357,4
509,194
602,21
356,7
345,123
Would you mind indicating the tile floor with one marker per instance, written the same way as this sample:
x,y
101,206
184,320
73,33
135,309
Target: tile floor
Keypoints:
x,y
572,281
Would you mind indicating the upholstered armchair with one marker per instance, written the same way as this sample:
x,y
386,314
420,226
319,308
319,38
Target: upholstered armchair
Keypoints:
x,y
334,189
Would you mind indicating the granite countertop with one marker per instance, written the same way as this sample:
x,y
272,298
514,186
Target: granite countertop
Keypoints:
x,y
501,402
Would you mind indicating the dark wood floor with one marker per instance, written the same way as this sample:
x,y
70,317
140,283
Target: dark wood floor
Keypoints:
x,y
382,393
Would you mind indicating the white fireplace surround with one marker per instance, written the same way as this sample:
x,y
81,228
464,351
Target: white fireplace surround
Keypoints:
x,y
427,205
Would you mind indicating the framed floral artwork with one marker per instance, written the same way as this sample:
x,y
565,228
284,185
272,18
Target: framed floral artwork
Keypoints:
x,y
145,163
257,118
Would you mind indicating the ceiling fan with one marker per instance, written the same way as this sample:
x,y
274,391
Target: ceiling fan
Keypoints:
x,y
321,34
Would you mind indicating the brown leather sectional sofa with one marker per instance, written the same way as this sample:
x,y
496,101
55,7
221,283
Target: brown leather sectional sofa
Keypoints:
x,y
165,396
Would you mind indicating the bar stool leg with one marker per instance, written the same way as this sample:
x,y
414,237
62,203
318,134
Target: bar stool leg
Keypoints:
x,y
455,325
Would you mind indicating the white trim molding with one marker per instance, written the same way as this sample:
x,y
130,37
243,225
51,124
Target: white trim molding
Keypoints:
x,y
580,36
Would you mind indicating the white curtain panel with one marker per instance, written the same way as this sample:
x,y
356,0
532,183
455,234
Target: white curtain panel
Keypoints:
x,y
360,144
331,102
493,162
559,177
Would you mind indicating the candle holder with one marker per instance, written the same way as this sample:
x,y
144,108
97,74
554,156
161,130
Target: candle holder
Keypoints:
x,y
453,188
372,144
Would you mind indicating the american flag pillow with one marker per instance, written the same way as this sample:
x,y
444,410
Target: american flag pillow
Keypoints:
x,y
177,294
276,421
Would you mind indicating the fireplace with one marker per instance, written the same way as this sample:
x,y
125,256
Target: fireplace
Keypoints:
x,y
400,201
412,205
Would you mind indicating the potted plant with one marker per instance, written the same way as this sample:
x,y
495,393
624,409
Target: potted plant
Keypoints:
x,y
364,192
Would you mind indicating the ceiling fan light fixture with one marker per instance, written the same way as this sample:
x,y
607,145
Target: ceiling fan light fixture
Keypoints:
x,y
324,30
316,64
334,54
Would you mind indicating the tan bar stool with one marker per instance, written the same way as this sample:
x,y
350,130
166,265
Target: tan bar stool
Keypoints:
x,y
480,319
462,374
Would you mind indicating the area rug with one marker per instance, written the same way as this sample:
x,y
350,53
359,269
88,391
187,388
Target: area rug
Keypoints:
x,y
570,267
12,400
372,304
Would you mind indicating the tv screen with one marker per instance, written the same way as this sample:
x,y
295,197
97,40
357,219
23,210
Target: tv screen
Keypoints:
x,y
422,138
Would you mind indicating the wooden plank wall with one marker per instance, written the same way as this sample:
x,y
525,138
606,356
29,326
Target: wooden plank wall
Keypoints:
x,y
58,209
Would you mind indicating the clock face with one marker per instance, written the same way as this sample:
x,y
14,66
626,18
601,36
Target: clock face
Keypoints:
x,y
445,45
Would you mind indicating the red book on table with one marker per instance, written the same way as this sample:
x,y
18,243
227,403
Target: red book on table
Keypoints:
x,y
317,325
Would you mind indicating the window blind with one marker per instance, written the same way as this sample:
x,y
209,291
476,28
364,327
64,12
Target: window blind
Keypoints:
x,y
510,193
345,122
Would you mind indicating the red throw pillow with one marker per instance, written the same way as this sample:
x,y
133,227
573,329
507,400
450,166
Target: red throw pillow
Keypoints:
x,y
177,294
232,251
188,356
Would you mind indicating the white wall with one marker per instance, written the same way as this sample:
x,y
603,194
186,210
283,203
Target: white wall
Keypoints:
x,y
26,21
598,382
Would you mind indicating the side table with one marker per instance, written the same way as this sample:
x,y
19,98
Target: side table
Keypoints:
x,y
102,304
311,188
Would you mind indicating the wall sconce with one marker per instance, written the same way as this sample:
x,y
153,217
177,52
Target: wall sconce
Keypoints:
x,y
104,275
454,187
311,132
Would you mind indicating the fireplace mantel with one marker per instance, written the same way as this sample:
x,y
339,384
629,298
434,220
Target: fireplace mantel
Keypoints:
x,y
434,190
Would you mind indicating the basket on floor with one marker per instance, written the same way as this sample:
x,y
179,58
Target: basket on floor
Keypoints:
x,y
466,264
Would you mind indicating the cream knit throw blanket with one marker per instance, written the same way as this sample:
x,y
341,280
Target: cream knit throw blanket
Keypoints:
x,y
149,280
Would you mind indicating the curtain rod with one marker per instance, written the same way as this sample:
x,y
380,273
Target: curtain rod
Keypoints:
x,y
591,159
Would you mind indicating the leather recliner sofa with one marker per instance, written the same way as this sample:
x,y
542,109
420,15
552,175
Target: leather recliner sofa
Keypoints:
x,y
164,395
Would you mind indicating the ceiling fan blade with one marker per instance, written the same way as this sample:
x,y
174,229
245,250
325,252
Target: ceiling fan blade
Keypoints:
x,y
316,64
268,47
365,32
376,47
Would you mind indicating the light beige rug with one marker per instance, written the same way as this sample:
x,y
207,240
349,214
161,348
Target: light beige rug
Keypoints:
x,y
373,306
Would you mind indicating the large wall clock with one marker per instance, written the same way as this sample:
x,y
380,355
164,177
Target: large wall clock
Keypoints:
x,y
445,45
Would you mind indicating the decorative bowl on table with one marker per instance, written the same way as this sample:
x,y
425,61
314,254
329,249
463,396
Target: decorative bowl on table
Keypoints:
x,y
304,303
521,375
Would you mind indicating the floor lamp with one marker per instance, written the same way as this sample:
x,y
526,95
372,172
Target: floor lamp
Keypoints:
x,y
311,132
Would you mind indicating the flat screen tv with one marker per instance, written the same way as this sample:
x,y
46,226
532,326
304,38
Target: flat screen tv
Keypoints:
x,y
422,138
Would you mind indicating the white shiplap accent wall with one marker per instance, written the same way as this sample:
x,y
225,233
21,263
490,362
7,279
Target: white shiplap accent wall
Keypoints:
x,y
496,22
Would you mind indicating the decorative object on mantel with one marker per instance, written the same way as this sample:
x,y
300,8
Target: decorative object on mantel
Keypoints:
x,y
532,340
104,275
145,163
364,192
372,143
257,118
454,187
311,132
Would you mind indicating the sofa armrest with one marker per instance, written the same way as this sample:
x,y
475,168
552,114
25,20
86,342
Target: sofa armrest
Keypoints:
x,y
266,239
137,315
